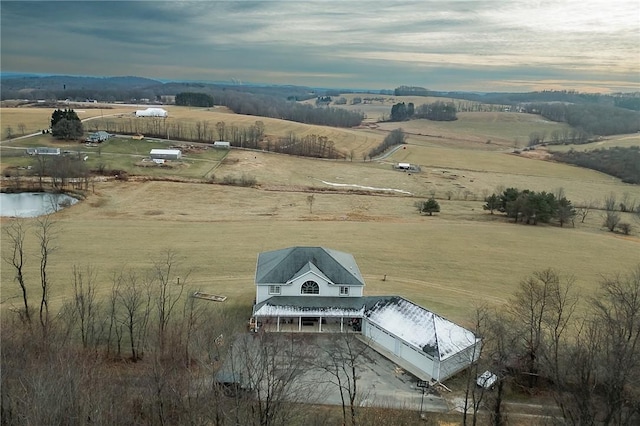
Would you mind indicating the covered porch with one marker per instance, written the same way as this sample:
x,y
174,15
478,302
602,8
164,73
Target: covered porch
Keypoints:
x,y
307,315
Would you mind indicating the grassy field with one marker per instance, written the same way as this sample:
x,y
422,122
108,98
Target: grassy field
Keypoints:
x,y
36,119
623,141
449,262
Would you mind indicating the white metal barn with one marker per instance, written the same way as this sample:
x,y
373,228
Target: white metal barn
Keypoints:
x,y
434,345
152,112
165,154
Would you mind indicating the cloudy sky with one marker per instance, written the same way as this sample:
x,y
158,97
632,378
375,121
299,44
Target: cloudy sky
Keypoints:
x,y
488,45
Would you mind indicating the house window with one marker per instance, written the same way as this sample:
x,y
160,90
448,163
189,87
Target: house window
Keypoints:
x,y
310,287
274,289
344,291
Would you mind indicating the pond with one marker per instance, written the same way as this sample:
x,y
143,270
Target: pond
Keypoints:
x,y
33,204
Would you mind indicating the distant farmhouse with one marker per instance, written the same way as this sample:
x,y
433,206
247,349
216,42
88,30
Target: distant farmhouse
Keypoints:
x,y
315,289
152,112
98,137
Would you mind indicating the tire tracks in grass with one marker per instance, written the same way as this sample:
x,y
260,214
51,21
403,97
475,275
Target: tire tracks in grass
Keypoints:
x,y
443,287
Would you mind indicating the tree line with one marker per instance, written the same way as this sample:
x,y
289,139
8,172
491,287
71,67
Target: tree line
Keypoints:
x,y
621,162
436,111
594,119
394,138
194,99
265,106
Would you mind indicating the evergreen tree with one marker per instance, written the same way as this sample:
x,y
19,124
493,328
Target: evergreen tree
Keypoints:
x,y
65,124
430,206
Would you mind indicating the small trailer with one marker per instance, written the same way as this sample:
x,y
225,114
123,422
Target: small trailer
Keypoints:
x,y
209,296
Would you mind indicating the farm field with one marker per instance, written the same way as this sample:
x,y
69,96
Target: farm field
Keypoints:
x,y
623,141
450,262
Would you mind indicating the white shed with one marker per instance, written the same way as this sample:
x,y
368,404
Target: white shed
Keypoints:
x,y
165,154
152,112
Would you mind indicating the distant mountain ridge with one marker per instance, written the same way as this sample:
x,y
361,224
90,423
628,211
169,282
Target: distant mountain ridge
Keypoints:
x,y
63,82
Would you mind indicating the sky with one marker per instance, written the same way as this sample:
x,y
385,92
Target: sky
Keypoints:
x,y
483,45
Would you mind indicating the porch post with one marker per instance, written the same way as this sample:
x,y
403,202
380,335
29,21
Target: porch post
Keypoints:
x,y
320,324
299,323
278,324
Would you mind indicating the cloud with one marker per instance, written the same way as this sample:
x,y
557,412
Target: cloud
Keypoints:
x,y
436,44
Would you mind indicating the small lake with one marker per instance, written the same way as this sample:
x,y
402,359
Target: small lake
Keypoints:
x,y
33,204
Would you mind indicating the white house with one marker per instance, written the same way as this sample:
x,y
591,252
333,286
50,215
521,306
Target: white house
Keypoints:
x,y
315,289
152,112
165,154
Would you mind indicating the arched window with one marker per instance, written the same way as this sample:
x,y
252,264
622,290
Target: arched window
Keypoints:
x,y
310,287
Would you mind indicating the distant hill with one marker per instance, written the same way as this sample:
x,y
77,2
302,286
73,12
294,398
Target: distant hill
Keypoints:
x,y
62,82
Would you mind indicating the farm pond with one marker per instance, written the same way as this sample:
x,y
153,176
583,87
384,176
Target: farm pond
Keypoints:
x,y
33,204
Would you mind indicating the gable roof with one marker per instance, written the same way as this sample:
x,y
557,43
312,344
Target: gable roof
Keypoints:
x,y
281,266
421,328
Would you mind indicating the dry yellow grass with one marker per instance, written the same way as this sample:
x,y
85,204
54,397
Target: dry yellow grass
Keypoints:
x,y
36,119
449,262
346,140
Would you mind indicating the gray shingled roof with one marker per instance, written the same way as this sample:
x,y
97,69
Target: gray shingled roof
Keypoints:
x,y
280,266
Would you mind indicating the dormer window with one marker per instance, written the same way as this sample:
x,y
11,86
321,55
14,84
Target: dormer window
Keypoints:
x,y
310,287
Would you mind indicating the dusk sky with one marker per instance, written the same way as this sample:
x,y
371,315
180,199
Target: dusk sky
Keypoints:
x,y
495,45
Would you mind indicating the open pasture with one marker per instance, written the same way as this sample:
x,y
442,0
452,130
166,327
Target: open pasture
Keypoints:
x,y
503,129
445,169
449,262
623,141
35,118
378,107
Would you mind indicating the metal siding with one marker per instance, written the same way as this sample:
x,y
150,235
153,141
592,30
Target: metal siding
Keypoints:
x,y
417,358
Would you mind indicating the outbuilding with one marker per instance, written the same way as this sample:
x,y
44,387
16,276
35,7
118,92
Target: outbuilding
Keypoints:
x,y
98,137
43,151
221,144
165,154
152,112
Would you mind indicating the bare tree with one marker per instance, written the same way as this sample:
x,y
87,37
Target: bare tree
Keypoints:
x,y
612,217
500,340
22,128
617,309
267,369
169,290
342,356
221,128
15,233
474,395
135,299
584,210
85,305
310,200
45,233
